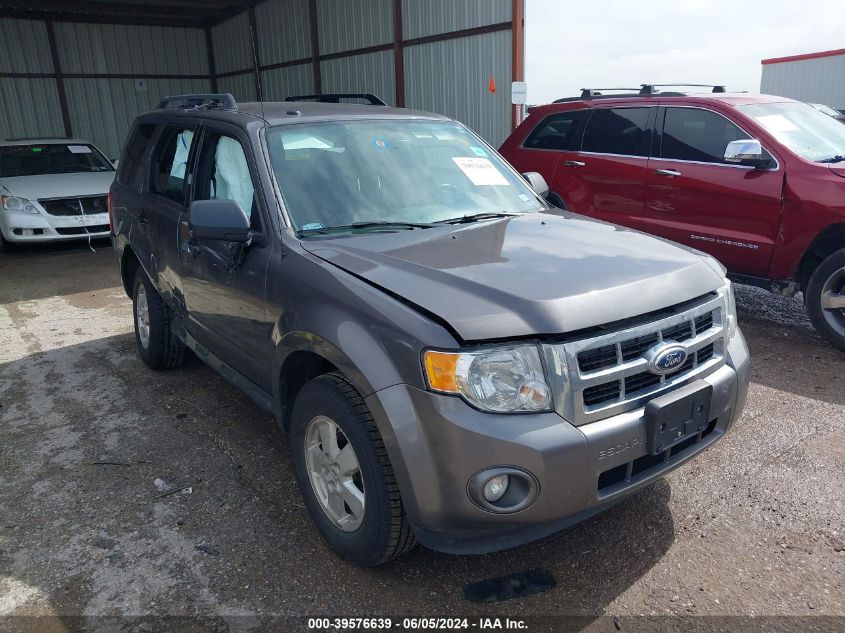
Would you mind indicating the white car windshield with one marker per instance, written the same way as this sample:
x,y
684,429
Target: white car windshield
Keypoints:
x,y
40,159
390,171
803,129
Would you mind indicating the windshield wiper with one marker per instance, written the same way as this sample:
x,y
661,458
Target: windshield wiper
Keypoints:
x,y
475,217
833,159
369,225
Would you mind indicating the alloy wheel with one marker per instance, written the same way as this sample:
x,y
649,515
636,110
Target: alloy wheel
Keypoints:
x,y
335,473
833,301
142,316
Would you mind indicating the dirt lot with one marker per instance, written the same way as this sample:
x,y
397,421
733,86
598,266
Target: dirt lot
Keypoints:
x,y
753,527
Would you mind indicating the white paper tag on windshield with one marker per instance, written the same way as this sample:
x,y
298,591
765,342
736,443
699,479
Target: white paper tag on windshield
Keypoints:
x,y
480,171
79,149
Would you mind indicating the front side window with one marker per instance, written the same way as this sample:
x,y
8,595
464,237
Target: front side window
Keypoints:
x,y
556,131
801,128
697,135
40,159
171,162
339,173
225,175
621,131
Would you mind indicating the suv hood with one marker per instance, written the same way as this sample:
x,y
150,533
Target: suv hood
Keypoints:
x,y
526,275
95,183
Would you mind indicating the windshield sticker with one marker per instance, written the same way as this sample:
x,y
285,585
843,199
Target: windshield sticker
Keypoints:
x,y
478,151
79,149
380,143
444,136
524,197
777,123
37,149
480,171
313,226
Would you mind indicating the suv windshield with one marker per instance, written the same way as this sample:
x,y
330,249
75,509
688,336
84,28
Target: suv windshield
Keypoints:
x,y
375,172
803,129
50,158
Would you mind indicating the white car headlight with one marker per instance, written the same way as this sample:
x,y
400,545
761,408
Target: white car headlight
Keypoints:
x,y
730,308
13,203
499,380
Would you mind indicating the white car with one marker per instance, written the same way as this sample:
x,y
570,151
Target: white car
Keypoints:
x,y
53,189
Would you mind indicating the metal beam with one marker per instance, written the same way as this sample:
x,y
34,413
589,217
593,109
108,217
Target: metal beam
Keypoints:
x,y
55,16
315,46
60,82
398,54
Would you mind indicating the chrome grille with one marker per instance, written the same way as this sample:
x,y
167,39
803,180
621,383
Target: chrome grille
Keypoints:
x,y
608,374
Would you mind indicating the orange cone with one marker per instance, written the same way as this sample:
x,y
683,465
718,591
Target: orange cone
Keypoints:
x,y
492,86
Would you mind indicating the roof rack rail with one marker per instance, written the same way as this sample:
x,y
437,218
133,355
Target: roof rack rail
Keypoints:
x,y
649,89
336,97
221,101
587,93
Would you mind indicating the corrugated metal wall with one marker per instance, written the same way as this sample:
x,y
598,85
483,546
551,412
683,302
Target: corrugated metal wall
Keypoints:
x,y
372,72
432,17
452,77
100,108
449,76
344,25
130,50
819,80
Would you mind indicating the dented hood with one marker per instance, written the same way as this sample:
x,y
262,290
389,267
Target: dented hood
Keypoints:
x,y
525,275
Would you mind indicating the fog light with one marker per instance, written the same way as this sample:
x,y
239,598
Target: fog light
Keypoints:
x,y
496,488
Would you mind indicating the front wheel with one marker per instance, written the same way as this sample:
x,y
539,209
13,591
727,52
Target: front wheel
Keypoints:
x,y
825,297
344,473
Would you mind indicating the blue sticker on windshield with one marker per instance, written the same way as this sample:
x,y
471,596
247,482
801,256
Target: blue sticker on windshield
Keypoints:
x,y
380,143
478,151
313,226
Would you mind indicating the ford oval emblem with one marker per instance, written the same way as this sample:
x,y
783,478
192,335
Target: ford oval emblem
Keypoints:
x,y
666,358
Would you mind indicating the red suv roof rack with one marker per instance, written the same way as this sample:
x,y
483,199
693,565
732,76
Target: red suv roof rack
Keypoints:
x,y
649,89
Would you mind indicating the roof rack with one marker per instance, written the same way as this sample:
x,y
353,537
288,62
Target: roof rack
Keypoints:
x,y
336,97
649,89
589,93
222,101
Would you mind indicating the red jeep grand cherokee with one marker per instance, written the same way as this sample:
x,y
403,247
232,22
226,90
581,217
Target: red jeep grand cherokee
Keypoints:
x,y
756,181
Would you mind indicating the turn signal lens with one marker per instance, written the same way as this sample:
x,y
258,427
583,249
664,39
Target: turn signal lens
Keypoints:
x,y
441,369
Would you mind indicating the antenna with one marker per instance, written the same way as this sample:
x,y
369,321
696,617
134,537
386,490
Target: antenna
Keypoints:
x,y
257,69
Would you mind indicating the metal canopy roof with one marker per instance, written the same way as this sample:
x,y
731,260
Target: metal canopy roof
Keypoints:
x,y
184,13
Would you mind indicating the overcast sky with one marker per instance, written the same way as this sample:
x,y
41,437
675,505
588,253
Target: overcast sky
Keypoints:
x,y
576,44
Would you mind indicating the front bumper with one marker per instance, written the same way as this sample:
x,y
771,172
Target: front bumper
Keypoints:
x,y
437,443
25,227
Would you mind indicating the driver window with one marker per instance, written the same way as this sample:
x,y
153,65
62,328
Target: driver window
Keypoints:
x,y
226,176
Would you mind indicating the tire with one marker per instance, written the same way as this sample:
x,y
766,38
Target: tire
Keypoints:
x,y
825,298
5,245
556,201
378,530
157,346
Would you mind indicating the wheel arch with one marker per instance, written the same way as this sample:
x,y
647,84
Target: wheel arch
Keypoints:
x,y
129,264
830,240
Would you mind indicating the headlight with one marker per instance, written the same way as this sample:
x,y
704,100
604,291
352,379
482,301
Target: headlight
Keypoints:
x,y
730,308
13,203
499,380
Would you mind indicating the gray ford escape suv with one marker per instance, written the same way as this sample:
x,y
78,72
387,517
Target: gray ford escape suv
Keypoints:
x,y
455,363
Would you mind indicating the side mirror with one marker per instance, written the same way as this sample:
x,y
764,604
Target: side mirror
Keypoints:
x,y
538,183
745,152
221,220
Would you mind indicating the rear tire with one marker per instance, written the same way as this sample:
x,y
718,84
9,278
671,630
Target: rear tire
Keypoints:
x,y
825,298
344,473
157,346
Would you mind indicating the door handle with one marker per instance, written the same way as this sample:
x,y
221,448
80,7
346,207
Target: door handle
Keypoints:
x,y
670,173
575,163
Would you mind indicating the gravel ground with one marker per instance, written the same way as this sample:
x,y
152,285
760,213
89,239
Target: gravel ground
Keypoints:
x,y
753,527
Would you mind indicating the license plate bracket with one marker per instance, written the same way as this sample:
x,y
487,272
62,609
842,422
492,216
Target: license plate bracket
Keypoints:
x,y
675,416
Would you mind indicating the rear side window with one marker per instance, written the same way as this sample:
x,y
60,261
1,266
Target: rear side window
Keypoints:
x,y
556,131
170,163
132,161
618,131
697,135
